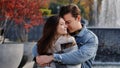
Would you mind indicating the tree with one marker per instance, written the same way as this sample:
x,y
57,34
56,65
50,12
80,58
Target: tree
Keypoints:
x,y
25,14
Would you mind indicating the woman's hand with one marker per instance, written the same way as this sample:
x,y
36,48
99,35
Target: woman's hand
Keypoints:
x,y
44,60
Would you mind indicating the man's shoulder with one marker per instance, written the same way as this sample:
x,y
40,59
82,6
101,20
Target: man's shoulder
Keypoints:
x,y
89,35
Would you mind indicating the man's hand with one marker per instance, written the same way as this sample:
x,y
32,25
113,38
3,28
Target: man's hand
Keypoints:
x,y
44,60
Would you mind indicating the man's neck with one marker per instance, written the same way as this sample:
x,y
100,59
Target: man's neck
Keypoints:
x,y
77,30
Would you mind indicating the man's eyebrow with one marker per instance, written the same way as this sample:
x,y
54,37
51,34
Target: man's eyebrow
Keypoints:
x,y
68,21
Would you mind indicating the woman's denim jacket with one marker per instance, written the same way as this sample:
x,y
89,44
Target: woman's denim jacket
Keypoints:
x,y
87,43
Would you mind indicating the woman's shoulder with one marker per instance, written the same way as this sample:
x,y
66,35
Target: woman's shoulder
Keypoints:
x,y
66,38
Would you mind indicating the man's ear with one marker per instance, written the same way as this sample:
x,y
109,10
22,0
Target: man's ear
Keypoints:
x,y
79,18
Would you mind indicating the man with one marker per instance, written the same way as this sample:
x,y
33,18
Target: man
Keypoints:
x,y
86,40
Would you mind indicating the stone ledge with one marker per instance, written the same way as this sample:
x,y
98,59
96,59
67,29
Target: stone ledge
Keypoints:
x,y
106,64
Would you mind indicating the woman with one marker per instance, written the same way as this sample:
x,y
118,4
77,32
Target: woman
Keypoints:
x,y
55,39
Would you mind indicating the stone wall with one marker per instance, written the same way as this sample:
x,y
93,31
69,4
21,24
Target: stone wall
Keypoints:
x,y
109,42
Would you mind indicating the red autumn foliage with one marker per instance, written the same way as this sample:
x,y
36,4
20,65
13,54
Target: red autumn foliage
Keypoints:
x,y
21,10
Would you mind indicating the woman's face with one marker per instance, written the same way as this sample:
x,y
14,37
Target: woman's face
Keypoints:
x,y
62,27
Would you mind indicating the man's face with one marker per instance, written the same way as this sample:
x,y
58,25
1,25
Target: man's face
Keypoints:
x,y
71,22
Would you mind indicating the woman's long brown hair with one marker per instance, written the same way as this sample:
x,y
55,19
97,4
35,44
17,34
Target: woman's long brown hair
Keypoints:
x,y
49,31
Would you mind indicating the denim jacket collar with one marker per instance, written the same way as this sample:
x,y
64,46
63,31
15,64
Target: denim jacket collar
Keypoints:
x,y
82,32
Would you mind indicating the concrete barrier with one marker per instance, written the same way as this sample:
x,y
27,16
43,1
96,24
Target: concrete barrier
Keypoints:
x,y
109,44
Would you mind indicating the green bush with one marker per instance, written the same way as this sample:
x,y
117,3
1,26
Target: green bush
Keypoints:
x,y
46,12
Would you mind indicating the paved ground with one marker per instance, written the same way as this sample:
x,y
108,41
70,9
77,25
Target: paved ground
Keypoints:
x,y
29,65
96,65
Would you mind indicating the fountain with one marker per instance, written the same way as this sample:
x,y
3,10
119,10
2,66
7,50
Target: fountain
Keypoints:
x,y
110,16
107,28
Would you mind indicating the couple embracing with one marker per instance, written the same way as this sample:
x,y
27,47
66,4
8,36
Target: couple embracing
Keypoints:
x,y
66,42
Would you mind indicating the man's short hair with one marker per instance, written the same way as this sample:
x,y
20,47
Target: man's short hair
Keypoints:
x,y
71,8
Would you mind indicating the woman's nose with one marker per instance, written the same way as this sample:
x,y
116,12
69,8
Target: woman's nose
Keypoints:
x,y
66,26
